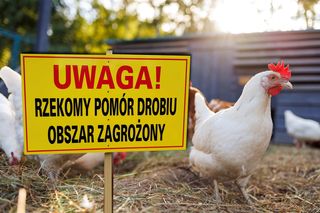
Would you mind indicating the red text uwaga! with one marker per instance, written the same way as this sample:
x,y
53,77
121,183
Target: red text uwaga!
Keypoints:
x,y
91,79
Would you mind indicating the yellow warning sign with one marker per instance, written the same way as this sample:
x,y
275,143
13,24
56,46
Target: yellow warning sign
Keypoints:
x,y
104,103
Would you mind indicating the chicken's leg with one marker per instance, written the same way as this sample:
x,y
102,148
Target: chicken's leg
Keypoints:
x,y
216,191
241,183
299,144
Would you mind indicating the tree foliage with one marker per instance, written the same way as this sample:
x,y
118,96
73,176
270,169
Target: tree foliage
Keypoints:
x,y
126,23
128,20
16,16
308,12
20,18
78,34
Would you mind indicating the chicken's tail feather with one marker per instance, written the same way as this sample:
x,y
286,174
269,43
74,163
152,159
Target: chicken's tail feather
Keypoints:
x,y
6,106
201,108
11,78
288,115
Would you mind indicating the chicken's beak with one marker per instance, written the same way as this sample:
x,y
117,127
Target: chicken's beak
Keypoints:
x,y
286,84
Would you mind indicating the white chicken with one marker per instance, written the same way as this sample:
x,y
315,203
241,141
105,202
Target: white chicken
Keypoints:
x,y
54,164
12,80
229,144
301,129
8,136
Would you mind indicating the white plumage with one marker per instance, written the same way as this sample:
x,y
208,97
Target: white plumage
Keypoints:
x,y
8,136
12,80
301,129
229,144
11,126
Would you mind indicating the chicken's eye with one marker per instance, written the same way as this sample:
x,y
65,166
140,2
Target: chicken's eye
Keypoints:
x,y
273,77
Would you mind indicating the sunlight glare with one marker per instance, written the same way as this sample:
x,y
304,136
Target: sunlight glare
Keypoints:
x,y
244,16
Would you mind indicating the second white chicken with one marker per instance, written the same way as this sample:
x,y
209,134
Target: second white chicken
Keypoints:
x,y
301,129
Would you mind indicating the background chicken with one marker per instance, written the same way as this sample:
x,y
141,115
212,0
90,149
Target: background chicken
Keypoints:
x,y
192,118
54,164
301,129
229,144
12,81
215,105
89,161
8,137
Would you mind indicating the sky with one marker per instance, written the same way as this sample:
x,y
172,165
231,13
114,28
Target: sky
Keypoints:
x,y
230,16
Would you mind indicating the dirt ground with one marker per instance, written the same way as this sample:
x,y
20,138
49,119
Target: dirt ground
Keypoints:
x,y
287,180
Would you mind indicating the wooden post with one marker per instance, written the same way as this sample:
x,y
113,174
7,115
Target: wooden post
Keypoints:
x,y
108,183
108,178
21,208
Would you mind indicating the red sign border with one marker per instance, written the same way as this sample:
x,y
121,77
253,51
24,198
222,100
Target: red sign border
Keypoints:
x,y
186,102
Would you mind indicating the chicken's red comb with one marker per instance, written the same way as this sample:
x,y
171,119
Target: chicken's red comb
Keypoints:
x,y
285,72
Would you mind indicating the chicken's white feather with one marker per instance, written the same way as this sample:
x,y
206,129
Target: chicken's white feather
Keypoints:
x,y
86,204
8,137
301,128
202,110
12,79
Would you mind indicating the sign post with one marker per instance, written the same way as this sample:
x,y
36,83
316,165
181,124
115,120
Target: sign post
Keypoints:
x,y
108,178
108,183
104,103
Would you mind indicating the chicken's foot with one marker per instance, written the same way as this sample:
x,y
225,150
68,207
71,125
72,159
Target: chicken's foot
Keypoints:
x,y
241,183
299,143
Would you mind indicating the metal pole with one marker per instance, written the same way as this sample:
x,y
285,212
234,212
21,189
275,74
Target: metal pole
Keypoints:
x,y
15,50
42,42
